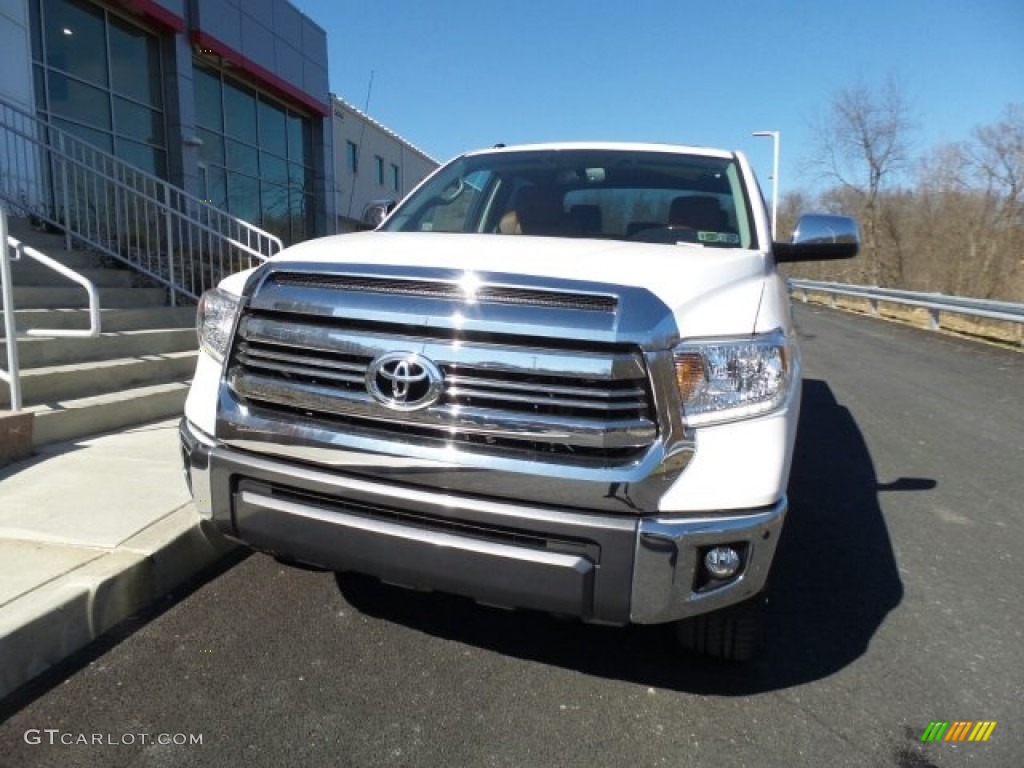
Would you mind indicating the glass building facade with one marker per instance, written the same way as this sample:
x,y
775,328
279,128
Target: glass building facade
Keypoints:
x,y
99,76
227,100
256,154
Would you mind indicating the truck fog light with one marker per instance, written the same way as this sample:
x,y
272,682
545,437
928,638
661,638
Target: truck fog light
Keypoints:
x,y
722,562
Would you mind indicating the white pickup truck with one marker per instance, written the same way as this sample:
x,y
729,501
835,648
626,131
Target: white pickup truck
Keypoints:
x,y
555,377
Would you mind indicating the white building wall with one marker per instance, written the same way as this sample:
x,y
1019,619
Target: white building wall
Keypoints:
x,y
376,146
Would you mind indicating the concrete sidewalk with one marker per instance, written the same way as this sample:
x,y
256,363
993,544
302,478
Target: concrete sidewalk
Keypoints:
x,y
91,532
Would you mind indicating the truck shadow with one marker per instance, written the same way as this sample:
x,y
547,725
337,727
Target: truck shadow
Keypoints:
x,y
834,581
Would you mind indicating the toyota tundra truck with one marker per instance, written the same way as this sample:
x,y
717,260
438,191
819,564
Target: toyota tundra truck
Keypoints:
x,y
557,377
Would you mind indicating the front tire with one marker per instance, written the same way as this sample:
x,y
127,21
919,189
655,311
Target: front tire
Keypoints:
x,y
735,633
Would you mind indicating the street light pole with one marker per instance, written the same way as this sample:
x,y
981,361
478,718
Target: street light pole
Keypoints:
x,y
775,137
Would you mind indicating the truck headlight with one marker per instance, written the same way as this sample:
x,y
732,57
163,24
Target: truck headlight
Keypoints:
x,y
726,380
215,319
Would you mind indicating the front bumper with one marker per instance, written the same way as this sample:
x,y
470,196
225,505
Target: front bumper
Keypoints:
x,y
600,567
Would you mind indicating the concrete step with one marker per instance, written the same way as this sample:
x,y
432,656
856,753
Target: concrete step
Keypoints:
x,y
23,230
136,371
35,274
111,320
57,383
36,352
77,260
81,417
53,245
46,297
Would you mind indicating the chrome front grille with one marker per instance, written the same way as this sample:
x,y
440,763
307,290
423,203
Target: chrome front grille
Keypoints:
x,y
552,399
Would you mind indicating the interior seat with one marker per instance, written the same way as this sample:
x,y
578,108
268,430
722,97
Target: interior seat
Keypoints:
x,y
698,212
586,219
537,211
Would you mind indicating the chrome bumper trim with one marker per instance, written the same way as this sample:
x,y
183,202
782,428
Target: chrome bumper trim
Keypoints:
x,y
196,448
667,562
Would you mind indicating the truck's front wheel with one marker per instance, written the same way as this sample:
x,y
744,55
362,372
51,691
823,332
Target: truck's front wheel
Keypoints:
x,y
735,633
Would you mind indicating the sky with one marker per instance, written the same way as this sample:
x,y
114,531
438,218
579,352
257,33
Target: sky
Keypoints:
x,y
454,75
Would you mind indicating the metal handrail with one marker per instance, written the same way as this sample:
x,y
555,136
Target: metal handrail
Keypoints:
x,y
12,376
106,204
935,303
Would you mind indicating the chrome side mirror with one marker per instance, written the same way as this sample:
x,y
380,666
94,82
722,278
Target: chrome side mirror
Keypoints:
x,y
376,211
820,237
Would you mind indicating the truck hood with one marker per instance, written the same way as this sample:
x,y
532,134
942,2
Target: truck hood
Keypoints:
x,y
705,287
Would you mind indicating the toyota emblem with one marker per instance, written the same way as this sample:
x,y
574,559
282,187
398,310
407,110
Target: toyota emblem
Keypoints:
x,y
404,381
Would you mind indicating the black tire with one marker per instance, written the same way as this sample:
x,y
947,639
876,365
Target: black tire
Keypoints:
x,y
735,633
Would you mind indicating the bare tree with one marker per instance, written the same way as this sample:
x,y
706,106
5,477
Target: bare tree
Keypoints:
x,y
863,144
955,225
943,197
969,217
998,155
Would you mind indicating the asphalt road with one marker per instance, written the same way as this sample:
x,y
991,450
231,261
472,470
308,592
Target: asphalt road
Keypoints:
x,y
896,602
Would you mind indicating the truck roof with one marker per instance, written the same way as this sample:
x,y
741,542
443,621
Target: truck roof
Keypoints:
x,y
607,145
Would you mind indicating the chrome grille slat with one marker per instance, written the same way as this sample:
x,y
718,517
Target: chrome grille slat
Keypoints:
x,y
300,370
636,393
266,355
459,387
493,358
460,392
594,433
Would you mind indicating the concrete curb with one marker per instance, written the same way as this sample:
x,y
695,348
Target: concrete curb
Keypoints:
x,y
51,622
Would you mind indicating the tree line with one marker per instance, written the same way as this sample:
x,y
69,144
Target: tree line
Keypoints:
x,y
950,219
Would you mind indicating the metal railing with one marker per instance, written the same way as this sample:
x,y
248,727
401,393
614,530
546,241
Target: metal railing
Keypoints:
x,y
103,203
12,376
935,303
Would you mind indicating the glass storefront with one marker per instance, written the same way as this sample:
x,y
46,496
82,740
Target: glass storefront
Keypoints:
x,y
99,77
257,156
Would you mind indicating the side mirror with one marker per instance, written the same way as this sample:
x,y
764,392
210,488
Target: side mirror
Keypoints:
x,y
820,237
376,211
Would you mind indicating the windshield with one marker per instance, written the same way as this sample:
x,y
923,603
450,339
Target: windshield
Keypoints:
x,y
647,196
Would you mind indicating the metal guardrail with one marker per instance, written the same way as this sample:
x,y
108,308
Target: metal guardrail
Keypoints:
x,y
12,376
935,303
93,197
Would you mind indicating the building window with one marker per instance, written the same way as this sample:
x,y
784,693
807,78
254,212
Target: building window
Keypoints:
x,y
396,178
99,77
257,154
380,169
352,157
